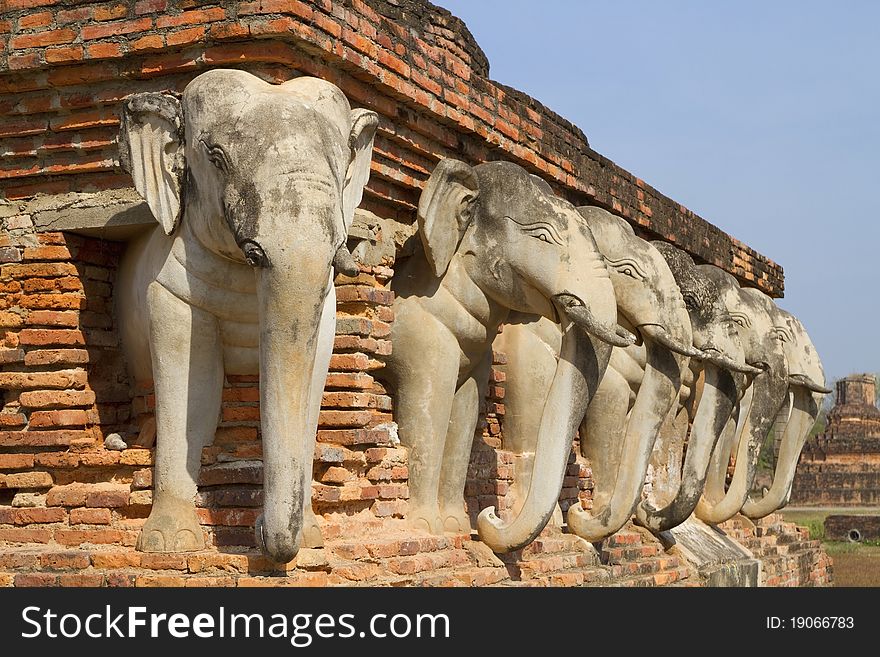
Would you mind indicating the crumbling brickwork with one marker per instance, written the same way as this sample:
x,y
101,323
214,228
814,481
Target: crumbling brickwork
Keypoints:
x,y
841,466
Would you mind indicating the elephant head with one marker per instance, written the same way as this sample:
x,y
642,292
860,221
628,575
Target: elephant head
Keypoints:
x,y
807,389
619,433
725,374
753,316
244,174
495,240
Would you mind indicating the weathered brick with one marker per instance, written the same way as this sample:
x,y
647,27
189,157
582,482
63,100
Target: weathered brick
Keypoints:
x,y
61,379
28,480
81,536
116,28
42,39
64,560
16,461
83,516
57,398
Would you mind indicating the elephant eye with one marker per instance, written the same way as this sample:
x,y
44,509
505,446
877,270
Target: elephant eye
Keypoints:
x,y
216,156
781,334
626,267
540,231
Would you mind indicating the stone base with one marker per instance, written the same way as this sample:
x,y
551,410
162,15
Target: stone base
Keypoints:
x,y
392,555
717,558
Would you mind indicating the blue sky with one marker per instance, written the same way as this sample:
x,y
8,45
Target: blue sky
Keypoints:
x,y
762,117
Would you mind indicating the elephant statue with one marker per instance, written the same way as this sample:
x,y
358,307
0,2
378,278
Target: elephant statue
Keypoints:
x,y
639,389
753,315
807,390
493,241
254,187
713,389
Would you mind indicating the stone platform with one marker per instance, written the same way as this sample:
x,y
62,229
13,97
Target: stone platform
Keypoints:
x,y
394,556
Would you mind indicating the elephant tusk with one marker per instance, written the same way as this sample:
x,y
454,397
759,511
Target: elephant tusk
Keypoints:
x,y
808,383
661,336
581,316
714,356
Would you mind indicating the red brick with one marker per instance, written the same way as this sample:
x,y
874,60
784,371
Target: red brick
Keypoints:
x,y
26,535
149,6
111,13
197,16
28,480
229,31
85,74
65,418
158,561
43,337
65,560
84,516
42,39
52,301
81,121
19,62
80,580
80,536
113,499
39,19
56,356
28,580
67,318
38,270
104,50
64,55
149,42
116,28
11,420
74,15
38,515
63,380
183,37
116,560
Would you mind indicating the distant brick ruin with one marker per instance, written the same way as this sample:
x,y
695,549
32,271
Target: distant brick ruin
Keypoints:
x,y
841,466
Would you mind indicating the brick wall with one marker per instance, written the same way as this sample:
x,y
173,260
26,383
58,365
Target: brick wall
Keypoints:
x,y
71,63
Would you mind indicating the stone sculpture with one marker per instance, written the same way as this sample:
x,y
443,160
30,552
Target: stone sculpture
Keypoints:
x,y
494,240
254,187
753,317
807,390
638,391
714,387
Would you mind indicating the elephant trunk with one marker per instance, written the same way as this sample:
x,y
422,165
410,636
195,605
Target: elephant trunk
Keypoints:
x,y
769,391
803,417
580,365
715,407
657,394
291,297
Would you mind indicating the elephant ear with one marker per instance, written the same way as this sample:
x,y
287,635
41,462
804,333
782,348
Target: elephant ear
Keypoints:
x,y
360,141
151,149
445,211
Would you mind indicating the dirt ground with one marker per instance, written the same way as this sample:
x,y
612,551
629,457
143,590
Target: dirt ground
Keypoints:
x,y
855,564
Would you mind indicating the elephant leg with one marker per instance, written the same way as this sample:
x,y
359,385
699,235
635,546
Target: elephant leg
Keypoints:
x,y
602,432
188,380
457,451
311,532
425,380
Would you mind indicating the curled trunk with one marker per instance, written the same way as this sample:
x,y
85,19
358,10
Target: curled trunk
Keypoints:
x,y
714,410
805,409
581,362
657,393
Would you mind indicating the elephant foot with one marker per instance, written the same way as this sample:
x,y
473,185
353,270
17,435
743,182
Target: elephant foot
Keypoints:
x,y
171,528
424,518
455,520
311,531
